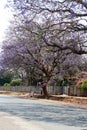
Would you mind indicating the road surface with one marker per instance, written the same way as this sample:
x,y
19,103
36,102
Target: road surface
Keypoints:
x,y
32,114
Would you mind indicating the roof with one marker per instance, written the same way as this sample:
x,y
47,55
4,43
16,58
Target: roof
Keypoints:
x,y
80,81
82,76
83,72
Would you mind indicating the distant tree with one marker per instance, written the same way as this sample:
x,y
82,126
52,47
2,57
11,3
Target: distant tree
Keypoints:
x,y
5,76
15,82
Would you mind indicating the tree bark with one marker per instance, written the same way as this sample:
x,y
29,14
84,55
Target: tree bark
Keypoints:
x,y
45,93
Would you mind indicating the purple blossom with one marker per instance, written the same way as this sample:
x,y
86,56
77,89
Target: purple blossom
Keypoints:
x,y
72,37
73,5
55,3
60,12
27,22
73,14
15,1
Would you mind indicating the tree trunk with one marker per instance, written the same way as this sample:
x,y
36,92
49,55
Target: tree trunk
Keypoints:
x,y
45,93
28,81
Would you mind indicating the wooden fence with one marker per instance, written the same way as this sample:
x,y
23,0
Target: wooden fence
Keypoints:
x,y
36,89
57,90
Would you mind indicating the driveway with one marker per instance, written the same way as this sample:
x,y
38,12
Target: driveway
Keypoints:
x,y
32,114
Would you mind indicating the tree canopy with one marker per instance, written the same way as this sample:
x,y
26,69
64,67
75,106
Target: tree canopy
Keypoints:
x,y
47,37
68,18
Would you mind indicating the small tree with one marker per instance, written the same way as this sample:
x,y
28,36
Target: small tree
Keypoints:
x,y
84,85
6,84
15,82
5,76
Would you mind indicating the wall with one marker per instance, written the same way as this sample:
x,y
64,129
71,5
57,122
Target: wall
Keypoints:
x,y
36,89
54,90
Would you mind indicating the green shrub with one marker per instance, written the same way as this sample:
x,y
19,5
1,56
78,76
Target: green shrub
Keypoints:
x,y
63,82
84,85
6,84
15,82
5,76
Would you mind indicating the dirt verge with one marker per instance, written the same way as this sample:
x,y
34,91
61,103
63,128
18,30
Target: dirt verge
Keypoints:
x,y
64,99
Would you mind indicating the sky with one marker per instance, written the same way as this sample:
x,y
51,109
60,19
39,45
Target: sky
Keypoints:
x,y
5,16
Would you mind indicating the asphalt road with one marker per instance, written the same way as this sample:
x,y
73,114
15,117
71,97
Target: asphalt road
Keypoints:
x,y
32,114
